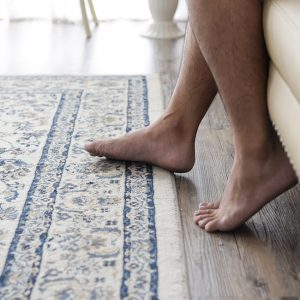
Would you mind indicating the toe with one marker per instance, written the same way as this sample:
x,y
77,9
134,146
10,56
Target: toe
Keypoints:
x,y
197,218
92,148
201,217
204,214
213,205
205,211
202,223
212,225
98,148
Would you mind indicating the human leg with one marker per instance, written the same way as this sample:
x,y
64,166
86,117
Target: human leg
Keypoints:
x,y
230,36
169,141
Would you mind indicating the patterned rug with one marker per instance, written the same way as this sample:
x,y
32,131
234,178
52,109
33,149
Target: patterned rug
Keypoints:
x,y
79,227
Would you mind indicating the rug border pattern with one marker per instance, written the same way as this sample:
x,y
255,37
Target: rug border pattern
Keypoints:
x,y
167,247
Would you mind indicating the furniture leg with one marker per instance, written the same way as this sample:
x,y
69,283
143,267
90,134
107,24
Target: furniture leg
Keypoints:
x,y
93,12
85,21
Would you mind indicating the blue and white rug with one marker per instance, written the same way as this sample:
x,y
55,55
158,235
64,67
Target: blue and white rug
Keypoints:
x,y
79,227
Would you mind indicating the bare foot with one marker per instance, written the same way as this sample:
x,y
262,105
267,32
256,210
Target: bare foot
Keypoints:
x,y
253,183
162,143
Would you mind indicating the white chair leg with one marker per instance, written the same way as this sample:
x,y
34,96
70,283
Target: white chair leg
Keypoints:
x,y
93,12
85,20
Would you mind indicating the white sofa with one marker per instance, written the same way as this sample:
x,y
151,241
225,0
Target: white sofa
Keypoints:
x,y
282,34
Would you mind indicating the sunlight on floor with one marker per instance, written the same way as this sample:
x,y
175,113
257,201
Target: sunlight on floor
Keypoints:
x,y
41,47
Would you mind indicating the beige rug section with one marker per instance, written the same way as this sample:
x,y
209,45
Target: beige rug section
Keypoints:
x,y
74,226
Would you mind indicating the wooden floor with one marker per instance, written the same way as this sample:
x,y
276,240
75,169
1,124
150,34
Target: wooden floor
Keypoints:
x,y
261,260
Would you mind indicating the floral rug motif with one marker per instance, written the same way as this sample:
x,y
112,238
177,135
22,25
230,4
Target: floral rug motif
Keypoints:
x,y
79,227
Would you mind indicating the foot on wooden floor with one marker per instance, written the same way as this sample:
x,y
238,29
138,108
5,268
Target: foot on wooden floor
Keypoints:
x,y
253,182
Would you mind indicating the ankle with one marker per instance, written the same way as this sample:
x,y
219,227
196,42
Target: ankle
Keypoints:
x,y
258,144
259,150
176,123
